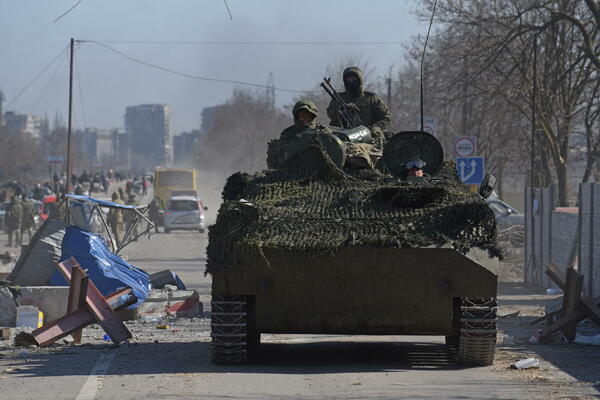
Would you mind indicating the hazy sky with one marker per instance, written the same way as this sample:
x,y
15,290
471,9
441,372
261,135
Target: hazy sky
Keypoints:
x,y
108,82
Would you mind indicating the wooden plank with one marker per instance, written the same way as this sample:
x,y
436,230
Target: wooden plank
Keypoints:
x,y
571,300
77,320
62,327
77,294
555,275
591,307
97,305
572,318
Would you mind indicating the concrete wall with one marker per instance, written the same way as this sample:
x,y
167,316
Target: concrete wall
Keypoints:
x,y
561,234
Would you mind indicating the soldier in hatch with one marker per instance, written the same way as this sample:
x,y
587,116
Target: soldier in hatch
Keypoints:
x,y
372,111
305,113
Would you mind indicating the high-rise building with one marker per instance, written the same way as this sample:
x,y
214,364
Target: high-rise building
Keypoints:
x,y
19,124
97,146
184,145
149,129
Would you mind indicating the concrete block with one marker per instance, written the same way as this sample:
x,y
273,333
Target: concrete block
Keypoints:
x,y
51,300
180,303
8,307
5,270
30,317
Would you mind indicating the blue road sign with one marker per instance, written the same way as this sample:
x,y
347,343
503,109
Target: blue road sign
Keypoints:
x,y
470,170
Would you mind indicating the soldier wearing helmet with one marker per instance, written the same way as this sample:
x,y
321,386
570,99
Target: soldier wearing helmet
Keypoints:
x,y
304,112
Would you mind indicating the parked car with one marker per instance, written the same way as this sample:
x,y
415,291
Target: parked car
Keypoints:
x,y
184,212
506,215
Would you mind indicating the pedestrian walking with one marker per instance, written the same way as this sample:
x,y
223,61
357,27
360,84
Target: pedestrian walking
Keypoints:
x,y
28,221
115,219
14,218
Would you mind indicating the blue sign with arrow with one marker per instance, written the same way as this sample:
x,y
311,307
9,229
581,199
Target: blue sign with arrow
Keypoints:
x,y
470,170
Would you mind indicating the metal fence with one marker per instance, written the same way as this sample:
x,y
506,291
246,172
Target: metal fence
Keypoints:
x,y
563,236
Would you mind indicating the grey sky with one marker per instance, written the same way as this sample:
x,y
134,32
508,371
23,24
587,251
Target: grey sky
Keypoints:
x,y
109,82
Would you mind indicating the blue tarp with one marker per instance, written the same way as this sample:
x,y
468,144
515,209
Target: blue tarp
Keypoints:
x,y
102,203
108,271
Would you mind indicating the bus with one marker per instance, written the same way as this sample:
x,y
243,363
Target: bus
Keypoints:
x,y
175,182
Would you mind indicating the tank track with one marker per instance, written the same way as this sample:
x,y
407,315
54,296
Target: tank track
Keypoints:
x,y
478,329
228,323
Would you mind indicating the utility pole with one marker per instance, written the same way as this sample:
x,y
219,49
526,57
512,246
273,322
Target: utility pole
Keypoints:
x,y
465,106
533,115
69,128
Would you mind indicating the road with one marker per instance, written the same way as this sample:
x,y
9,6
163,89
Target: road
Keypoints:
x,y
175,365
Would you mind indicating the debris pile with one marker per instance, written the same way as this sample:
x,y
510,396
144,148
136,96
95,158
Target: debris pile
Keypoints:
x,y
576,307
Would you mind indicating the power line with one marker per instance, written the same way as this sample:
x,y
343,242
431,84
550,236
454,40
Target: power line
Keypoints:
x,y
68,11
228,10
248,43
37,76
62,60
186,75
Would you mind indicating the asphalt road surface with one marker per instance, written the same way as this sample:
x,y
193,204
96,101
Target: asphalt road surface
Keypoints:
x,y
171,365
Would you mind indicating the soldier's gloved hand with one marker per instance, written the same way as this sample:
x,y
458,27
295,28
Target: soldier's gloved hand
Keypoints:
x,y
353,107
377,136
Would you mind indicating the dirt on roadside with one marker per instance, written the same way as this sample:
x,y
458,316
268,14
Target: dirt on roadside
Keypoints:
x,y
567,370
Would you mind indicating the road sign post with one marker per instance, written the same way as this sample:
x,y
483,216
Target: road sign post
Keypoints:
x,y
470,170
429,124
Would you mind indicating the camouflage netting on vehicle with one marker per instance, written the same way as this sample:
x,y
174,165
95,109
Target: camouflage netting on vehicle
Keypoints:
x,y
312,207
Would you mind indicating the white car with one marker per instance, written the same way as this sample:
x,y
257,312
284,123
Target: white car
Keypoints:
x,y
184,212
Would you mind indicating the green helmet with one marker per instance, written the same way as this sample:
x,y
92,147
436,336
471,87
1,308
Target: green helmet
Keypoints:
x,y
307,105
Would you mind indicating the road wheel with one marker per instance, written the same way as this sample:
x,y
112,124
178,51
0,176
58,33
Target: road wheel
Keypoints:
x,y
234,338
478,331
167,230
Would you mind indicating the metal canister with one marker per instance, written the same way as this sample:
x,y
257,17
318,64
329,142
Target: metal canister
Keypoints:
x,y
359,134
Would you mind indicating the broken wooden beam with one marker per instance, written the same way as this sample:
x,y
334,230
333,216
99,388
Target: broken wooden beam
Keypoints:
x,y
77,320
566,320
103,313
591,306
556,275
86,306
77,294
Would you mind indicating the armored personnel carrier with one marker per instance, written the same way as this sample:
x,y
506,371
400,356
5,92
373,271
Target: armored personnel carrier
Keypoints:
x,y
313,248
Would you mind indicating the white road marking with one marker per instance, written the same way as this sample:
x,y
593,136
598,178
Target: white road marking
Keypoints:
x,y
94,381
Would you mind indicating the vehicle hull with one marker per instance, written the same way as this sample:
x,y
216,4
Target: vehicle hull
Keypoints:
x,y
357,290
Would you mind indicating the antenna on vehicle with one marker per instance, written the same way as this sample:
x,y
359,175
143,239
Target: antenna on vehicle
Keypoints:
x,y
423,57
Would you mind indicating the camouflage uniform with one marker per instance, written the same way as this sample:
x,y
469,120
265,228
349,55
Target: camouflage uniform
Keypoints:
x,y
373,112
115,219
277,148
28,217
14,218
